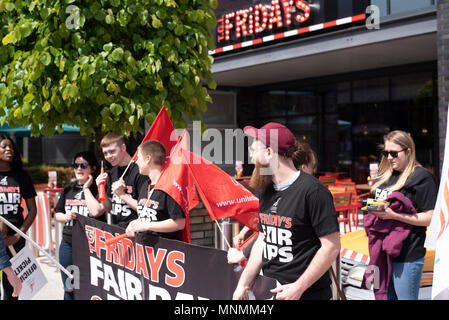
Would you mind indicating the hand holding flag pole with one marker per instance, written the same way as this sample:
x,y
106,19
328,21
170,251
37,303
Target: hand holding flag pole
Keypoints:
x,y
122,236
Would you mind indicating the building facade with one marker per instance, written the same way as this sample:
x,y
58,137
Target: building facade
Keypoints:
x,y
340,74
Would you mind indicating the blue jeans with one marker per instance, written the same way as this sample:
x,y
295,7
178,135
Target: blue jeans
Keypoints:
x,y
65,259
405,280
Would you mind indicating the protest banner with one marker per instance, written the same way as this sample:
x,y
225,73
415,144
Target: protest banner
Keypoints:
x,y
151,268
438,233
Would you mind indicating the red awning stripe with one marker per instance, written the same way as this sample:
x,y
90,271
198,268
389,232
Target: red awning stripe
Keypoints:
x,y
289,33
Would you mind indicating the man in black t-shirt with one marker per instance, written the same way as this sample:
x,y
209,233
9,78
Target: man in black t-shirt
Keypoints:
x,y
299,234
121,193
158,212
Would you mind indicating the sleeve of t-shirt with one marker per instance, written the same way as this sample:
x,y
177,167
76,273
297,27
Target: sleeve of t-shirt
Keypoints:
x,y
27,188
174,209
60,205
426,194
322,212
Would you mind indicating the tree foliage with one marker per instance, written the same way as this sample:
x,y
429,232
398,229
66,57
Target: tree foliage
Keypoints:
x,y
103,65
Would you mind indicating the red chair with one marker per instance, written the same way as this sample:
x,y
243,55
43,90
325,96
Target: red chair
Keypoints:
x,y
342,204
327,180
344,179
356,201
336,189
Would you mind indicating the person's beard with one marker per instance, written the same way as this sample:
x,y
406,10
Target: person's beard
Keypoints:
x,y
260,181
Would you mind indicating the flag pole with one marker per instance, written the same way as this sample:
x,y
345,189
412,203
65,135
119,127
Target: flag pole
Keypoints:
x,y
9,224
124,172
124,235
222,233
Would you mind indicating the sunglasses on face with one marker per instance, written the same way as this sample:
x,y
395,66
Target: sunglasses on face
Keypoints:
x,y
393,154
83,165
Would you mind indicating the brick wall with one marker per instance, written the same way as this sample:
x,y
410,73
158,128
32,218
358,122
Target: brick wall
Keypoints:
x,y
201,227
443,70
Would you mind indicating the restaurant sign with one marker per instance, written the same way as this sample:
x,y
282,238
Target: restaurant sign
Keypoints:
x,y
260,17
270,20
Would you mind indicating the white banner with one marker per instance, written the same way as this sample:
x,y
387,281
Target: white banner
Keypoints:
x,y
27,269
438,235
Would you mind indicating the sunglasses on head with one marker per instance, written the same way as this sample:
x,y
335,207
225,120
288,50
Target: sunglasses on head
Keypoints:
x,y
83,165
394,154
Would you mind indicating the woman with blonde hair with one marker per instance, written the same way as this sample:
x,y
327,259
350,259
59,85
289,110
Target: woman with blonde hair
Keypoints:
x,y
399,171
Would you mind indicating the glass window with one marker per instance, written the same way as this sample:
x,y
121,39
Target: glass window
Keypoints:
x,y
221,111
370,90
300,102
305,129
344,92
408,87
345,118
271,103
398,6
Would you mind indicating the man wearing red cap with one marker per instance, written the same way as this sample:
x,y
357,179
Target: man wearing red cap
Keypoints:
x,y
299,234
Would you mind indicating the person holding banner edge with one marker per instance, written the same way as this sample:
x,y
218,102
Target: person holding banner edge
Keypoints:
x,y
299,235
16,185
79,197
399,171
122,192
158,212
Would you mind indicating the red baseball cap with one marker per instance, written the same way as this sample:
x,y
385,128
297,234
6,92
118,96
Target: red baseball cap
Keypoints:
x,y
274,135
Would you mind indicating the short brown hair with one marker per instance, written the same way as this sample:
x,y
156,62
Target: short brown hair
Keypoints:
x,y
111,138
155,150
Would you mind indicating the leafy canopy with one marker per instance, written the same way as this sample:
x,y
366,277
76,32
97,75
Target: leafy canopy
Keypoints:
x,y
103,65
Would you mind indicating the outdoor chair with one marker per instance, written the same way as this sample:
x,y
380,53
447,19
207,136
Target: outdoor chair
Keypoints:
x,y
336,189
342,204
356,200
327,180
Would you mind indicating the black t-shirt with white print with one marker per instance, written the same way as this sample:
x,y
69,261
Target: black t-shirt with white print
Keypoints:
x,y
159,207
421,189
121,213
72,199
14,186
292,221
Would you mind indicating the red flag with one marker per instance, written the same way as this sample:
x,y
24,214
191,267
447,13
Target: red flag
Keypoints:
x,y
176,181
161,130
222,195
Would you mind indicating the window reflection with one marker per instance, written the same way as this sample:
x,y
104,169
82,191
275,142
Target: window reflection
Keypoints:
x,y
345,119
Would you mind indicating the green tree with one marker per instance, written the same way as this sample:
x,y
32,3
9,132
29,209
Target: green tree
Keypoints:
x,y
104,64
